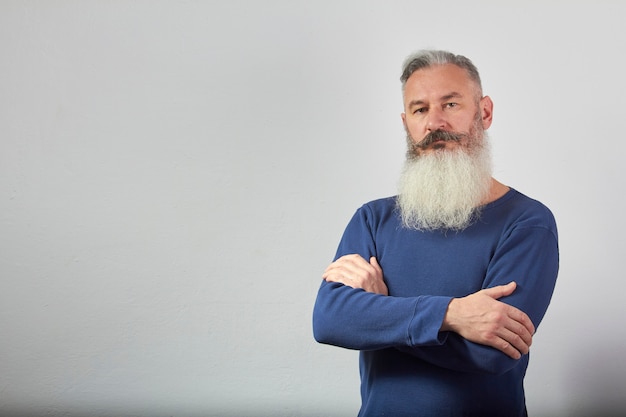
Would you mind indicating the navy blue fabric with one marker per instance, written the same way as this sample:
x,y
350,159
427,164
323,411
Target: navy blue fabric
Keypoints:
x,y
408,367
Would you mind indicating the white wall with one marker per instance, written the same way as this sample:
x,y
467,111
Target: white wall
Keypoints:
x,y
175,176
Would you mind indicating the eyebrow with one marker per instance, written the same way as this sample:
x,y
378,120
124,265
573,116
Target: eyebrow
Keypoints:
x,y
453,94
446,97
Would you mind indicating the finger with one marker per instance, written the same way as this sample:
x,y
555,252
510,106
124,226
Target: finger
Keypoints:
x,y
340,279
344,262
374,263
507,348
355,260
348,270
502,342
516,342
521,318
329,270
353,257
522,333
339,274
334,269
520,336
500,290
359,266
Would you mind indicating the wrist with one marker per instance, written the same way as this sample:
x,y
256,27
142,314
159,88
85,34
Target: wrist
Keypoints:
x,y
448,319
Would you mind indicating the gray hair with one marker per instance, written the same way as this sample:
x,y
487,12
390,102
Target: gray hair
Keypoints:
x,y
428,58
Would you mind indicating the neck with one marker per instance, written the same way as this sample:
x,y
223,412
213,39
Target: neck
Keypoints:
x,y
496,191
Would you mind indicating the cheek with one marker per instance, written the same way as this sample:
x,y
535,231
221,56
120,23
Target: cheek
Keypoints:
x,y
415,130
461,124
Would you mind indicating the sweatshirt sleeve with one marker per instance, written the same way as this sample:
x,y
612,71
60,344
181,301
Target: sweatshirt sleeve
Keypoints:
x,y
355,319
528,256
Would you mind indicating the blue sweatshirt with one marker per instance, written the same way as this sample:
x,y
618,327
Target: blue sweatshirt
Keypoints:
x,y
408,367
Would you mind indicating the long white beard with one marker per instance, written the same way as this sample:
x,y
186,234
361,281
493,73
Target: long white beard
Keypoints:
x,y
444,189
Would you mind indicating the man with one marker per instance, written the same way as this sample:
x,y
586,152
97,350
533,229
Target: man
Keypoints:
x,y
441,287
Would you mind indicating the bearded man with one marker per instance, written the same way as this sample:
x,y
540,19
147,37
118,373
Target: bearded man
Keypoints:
x,y
441,287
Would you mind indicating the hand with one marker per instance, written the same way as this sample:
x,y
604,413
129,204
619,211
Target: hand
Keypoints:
x,y
480,318
356,272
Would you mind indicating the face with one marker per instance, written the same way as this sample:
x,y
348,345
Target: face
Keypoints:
x,y
443,98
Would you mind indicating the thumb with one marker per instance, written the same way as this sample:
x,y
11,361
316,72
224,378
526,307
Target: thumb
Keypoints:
x,y
500,290
374,263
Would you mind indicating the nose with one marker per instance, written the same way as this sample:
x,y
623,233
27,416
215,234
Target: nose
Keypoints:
x,y
436,120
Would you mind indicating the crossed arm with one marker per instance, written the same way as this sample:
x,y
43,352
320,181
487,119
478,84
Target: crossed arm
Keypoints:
x,y
478,317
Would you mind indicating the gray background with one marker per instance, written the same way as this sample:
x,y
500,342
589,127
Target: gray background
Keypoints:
x,y
175,176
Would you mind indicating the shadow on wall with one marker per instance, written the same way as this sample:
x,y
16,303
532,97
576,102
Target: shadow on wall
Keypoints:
x,y
75,413
154,410
595,386
597,382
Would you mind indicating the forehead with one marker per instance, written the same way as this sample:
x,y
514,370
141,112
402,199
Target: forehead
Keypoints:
x,y
438,81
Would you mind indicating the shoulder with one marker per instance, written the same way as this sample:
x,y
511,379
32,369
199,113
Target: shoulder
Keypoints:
x,y
381,204
376,213
379,209
522,211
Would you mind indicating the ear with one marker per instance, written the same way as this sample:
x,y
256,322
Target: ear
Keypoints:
x,y
486,110
403,116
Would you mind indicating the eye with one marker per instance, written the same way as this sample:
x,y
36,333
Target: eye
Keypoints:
x,y
420,110
451,105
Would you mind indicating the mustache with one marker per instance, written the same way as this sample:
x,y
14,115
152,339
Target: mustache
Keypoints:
x,y
438,135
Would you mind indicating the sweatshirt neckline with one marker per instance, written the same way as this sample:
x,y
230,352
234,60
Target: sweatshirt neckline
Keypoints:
x,y
506,197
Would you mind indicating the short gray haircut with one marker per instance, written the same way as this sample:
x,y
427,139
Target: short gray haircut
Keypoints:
x,y
429,58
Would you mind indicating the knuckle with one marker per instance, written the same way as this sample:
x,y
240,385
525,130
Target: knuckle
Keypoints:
x,y
492,329
497,318
491,338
